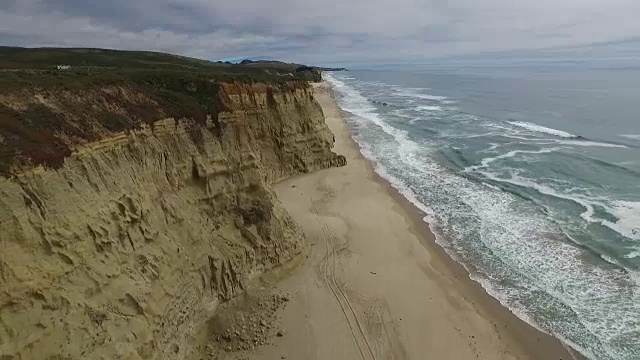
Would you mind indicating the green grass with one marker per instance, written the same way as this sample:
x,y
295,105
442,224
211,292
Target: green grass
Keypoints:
x,y
164,86
97,61
45,58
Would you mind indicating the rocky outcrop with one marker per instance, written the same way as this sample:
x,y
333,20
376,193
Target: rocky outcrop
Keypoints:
x,y
131,243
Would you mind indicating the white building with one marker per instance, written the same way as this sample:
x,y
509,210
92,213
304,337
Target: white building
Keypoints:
x,y
63,67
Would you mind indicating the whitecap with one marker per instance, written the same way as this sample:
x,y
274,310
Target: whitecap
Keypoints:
x,y
627,212
401,113
486,161
631,136
633,254
542,129
428,108
470,136
590,143
410,93
628,215
492,147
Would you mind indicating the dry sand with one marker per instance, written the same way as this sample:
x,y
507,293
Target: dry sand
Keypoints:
x,y
375,285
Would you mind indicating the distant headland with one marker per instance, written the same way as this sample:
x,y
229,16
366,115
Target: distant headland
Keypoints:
x,y
277,63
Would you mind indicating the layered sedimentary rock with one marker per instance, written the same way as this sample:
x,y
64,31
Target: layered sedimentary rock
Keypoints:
x,y
131,242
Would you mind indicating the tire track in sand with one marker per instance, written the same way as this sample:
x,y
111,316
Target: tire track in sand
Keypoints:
x,y
327,270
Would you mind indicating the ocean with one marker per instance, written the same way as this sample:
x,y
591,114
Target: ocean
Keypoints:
x,y
530,177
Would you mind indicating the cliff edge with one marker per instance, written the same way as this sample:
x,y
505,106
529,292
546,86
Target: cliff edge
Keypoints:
x,y
134,210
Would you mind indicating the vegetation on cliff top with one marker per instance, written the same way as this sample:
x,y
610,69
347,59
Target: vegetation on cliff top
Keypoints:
x,y
45,111
98,60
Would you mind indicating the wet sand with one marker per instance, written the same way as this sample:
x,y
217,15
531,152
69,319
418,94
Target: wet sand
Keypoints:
x,y
375,284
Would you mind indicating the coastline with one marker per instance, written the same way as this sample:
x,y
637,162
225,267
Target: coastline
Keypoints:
x,y
360,295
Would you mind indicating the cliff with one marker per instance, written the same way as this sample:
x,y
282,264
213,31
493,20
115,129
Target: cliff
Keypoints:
x,y
129,214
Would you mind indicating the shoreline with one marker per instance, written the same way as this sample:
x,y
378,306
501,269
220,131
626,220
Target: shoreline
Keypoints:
x,y
494,308
520,328
489,303
360,295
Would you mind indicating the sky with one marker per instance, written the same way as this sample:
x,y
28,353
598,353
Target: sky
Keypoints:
x,y
318,32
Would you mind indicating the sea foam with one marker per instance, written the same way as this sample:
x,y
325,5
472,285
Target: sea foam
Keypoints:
x,y
428,108
590,143
595,306
542,129
414,93
631,136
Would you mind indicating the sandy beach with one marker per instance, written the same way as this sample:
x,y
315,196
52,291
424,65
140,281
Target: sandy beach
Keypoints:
x,y
375,284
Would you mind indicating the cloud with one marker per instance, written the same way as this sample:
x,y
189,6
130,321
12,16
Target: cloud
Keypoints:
x,y
317,31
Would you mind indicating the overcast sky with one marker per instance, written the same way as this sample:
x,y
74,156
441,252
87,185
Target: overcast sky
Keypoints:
x,y
314,31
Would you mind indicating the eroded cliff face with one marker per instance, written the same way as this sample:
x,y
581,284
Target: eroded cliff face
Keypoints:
x,y
126,248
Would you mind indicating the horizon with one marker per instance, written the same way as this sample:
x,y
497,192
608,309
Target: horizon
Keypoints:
x,y
579,53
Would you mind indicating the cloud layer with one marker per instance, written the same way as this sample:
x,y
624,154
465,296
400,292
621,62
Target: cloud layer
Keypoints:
x,y
317,31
